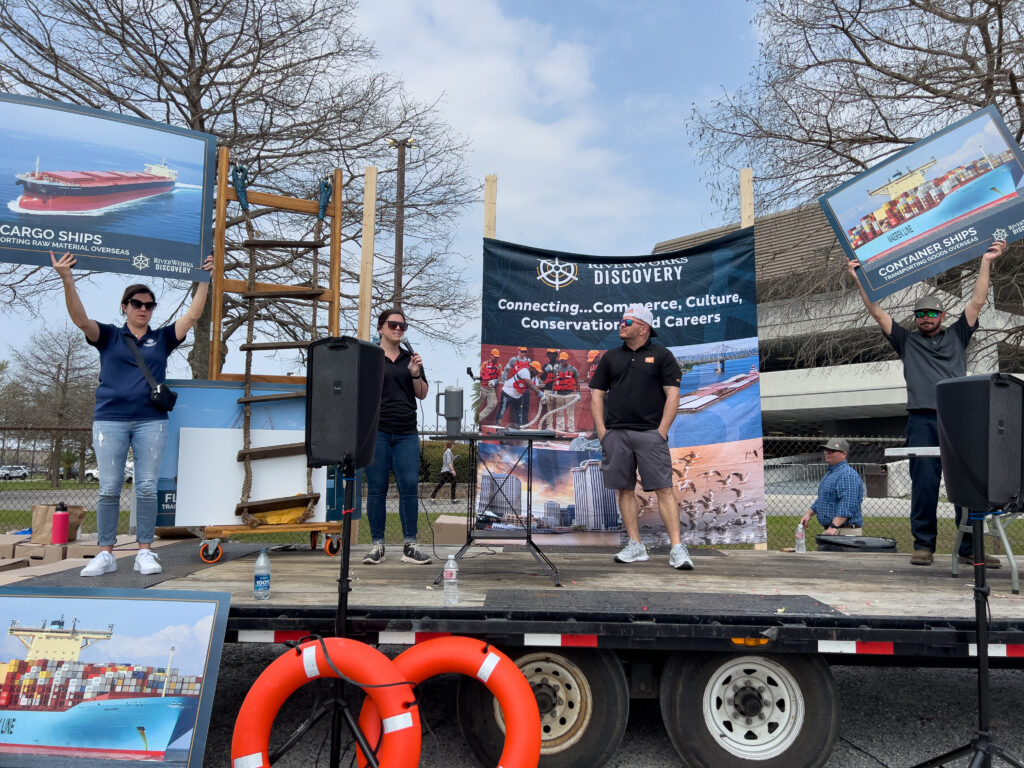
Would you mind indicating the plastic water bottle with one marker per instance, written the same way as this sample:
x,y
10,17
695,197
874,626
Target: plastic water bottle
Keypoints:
x,y
801,538
261,577
451,581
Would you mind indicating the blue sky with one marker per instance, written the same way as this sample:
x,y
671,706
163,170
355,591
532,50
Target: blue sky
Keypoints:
x,y
580,108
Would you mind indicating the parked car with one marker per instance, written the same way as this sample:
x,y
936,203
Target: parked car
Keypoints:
x,y
14,472
93,473
68,474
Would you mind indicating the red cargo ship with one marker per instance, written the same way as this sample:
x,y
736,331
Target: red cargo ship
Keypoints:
x,y
90,191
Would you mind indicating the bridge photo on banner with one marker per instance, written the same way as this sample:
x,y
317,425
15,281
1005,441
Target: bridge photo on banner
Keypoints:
x,y
555,314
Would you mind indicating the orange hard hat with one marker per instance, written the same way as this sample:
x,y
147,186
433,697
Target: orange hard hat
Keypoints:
x,y
564,356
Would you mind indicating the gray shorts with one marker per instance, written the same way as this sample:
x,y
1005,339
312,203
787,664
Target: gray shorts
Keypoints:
x,y
626,450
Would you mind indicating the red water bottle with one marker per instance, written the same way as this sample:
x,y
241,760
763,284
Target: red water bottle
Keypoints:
x,y
59,531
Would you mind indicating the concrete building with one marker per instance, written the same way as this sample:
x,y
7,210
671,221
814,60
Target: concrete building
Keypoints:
x,y
500,494
596,506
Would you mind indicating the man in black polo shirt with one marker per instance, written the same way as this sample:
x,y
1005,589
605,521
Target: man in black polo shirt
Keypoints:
x,y
634,399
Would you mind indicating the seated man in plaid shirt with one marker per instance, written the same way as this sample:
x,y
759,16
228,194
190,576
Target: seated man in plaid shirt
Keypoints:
x,y
839,495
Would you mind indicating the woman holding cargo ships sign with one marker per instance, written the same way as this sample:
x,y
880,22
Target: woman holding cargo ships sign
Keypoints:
x,y
125,414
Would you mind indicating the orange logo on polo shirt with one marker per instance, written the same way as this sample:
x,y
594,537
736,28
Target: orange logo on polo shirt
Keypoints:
x,y
648,359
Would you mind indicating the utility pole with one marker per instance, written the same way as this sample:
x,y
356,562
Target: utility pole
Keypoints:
x,y
400,145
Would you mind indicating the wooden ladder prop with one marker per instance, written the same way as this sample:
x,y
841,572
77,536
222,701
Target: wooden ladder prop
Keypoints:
x,y
255,293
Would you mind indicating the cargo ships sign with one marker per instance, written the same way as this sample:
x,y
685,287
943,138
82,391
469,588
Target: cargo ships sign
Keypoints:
x,y
121,194
932,206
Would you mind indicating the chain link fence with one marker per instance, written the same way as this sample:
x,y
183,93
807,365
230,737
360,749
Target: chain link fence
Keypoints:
x,y
51,465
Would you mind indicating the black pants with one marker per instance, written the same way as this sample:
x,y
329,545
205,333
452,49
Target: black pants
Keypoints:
x,y
446,477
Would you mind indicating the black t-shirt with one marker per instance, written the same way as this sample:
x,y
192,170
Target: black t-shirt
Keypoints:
x,y
397,397
634,381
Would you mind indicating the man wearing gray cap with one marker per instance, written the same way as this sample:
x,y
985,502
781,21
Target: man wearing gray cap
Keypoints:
x,y
929,354
840,494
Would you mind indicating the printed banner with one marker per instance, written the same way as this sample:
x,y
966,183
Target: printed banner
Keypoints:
x,y
120,193
555,314
932,206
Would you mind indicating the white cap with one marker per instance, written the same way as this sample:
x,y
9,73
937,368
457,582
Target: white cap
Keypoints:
x,y
641,313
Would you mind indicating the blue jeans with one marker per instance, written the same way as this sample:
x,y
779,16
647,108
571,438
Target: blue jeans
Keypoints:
x,y
923,431
110,441
401,454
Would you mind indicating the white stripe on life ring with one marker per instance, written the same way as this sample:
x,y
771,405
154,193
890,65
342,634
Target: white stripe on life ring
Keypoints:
x,y
397,722
309,661
487,667
248,761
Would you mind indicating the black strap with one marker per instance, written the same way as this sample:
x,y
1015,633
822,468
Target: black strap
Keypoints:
x,y
134,346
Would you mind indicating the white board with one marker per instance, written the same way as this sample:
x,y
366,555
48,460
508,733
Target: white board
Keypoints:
x,y
210,478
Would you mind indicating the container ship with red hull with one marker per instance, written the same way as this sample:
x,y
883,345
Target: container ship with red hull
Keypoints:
x,y
90,191
53,704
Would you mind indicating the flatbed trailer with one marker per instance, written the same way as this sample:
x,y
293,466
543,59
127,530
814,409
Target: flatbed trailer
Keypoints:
x,y
738,651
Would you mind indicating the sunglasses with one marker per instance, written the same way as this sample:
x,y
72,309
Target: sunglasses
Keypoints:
x,y
149,306
927,313
394,325
626,322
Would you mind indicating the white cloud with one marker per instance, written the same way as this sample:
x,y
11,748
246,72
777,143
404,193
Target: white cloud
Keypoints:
x,y
191,644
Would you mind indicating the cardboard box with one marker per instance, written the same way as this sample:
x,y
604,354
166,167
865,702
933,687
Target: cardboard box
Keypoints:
x,y
450,530
10,564
41,554
7,543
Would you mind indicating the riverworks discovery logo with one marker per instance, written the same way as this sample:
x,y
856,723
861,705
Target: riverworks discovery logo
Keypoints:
x,y
557,274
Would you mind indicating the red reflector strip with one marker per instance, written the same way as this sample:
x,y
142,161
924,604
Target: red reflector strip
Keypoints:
x,y
270,636
579,641
876,649
1016,650
407,638
856,647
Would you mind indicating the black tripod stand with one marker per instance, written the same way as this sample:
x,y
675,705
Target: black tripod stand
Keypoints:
x,y
981,748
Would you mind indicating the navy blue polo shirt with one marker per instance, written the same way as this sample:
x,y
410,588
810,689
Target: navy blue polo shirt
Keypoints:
x,y
123,393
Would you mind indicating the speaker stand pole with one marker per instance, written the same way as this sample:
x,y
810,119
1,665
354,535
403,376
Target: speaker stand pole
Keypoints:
x,y
981,748
341,711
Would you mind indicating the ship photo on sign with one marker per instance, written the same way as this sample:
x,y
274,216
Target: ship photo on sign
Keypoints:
x,y
107,676
936,204
120,193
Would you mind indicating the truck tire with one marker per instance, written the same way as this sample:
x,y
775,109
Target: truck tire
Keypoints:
x,y
583,701
740,711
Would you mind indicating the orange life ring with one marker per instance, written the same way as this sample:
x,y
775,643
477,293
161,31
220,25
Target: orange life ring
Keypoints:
x,y
467,656
400,746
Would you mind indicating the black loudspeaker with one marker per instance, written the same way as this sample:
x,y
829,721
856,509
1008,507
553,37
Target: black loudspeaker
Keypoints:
x,y
343,383
980,434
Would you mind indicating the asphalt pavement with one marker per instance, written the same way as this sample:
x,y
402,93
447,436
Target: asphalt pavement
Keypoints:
x,y
889,716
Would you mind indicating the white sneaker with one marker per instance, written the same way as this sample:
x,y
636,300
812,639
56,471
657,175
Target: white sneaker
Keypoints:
x,y
634,552
679,558
147,562
102,563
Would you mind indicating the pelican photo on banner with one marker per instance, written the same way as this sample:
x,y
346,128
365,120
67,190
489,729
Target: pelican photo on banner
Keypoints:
x,y
555,314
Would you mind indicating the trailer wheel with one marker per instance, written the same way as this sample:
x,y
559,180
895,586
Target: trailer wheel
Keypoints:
x,y
583,701
731,711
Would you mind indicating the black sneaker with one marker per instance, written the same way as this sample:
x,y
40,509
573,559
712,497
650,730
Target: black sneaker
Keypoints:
x,y
375,555
411,554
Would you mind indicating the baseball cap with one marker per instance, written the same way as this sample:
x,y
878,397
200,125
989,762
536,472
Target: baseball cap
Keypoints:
x,y
563,356
929,302
643,314
592,354
836,444
537,366
495,353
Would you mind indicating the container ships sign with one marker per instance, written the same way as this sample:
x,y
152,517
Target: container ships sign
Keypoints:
x,y
938,203
82,690
120,193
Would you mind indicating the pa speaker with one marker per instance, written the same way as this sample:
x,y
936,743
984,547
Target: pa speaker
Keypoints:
x,y
343,383
980,434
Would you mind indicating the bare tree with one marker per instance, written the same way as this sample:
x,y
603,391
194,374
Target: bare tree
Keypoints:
x,y
839,85
57,371
288,86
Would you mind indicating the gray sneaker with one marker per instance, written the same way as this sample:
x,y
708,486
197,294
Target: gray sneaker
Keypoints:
x,y
679,558
375,555
411,553
634,552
